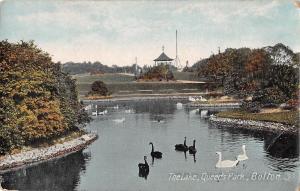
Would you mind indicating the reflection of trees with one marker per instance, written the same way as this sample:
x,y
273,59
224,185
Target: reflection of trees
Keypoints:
x,y
282,146
155,107
58,174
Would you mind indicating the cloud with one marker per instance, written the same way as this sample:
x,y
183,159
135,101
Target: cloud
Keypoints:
x,y
225,11
116,32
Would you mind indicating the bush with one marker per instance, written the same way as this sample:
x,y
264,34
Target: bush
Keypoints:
x,y
270,95
161,72
99,88
252,107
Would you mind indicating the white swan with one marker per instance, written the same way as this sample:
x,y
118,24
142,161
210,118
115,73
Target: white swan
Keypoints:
x,y
102,112
94,113
88,107
192,99
243,156
225,163
195,111
128,111
203,113
179,105
119,120
202,99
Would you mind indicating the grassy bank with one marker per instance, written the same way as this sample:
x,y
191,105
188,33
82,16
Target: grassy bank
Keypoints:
x,y
106,78
288,117
120,84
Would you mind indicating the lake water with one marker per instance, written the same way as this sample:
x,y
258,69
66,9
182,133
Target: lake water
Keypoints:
x,y
111,162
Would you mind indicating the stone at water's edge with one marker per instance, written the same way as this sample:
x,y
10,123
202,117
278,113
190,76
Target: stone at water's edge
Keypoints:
x,y
254,125
42,154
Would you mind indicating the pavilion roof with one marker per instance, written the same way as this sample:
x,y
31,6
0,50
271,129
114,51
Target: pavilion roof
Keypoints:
x,y
163,57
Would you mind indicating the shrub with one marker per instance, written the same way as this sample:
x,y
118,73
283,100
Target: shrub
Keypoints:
x,y
161,72
252,107
270,95
99,88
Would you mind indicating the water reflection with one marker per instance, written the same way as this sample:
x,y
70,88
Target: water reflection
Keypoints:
x,y
281,146
144,169
58,174
282,150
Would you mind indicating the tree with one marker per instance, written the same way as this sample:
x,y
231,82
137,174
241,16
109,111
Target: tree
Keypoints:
x,y
282,55
38,101
99,88
269,74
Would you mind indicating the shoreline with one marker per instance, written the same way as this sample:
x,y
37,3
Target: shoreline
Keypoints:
x,y
38,155
252,125
142,97
139,96
233,105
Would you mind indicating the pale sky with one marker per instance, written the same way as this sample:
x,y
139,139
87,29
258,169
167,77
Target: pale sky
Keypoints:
x,y
118,31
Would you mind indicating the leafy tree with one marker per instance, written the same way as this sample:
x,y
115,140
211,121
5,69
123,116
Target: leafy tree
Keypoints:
x,y
282,55
269,74
99,88
38,101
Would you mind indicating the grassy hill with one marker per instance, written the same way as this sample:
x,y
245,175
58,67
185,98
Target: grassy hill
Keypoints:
x,y
119,83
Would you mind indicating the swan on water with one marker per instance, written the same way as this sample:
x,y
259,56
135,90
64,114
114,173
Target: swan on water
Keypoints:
x,y
243,156
202,99
182,147
122,120
88,107
103,112
225,163
155,154
143,168
203,113
128,111
191,99
179,105
195,111
94,113
192,149
198,98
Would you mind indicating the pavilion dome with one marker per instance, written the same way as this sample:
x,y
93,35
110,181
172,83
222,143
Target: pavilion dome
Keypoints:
x,y
163,57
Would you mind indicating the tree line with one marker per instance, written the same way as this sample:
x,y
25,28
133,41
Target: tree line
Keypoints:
x,y
97,67
269,75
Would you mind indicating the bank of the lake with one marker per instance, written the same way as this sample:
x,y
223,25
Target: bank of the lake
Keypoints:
x,y
284,122
40,154
140,97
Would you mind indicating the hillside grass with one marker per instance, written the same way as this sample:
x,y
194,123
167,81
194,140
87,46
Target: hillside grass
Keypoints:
x,y
106,78
288,117
118,83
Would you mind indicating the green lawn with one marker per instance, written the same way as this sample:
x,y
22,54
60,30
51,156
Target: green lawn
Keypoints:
x,y
289,117
106,78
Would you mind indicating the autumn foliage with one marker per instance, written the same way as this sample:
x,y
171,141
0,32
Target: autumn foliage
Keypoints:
x,y
158,73
37,100
269,74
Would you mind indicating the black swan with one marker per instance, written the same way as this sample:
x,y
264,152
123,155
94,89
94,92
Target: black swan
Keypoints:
x,y
144,168
182,147
155,154
192,149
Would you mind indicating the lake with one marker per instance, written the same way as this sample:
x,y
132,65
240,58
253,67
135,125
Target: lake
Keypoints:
x,y
111,162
